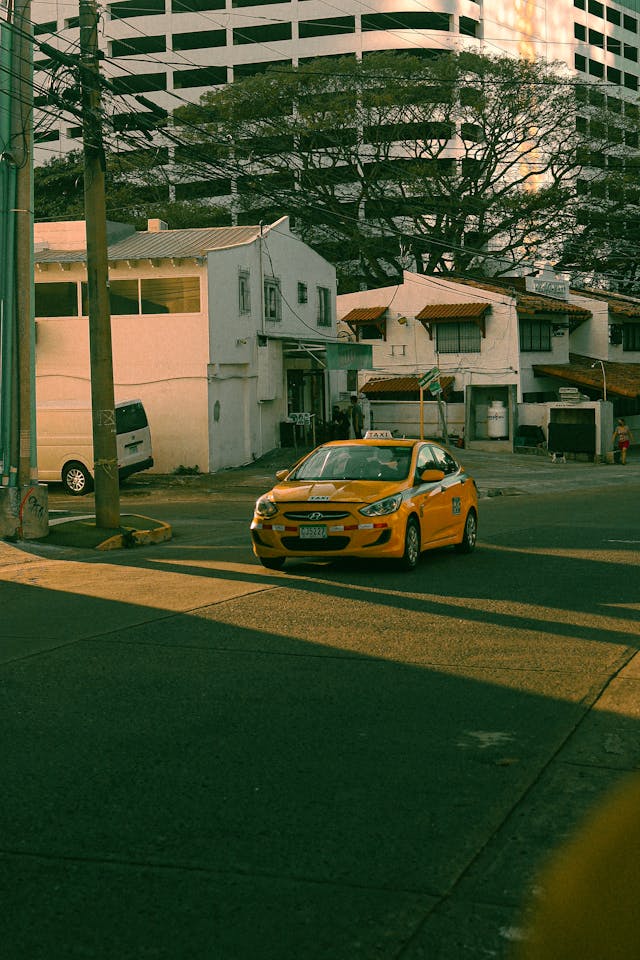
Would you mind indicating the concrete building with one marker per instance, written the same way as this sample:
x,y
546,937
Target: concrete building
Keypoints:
x,y
172,51
214,329
504,351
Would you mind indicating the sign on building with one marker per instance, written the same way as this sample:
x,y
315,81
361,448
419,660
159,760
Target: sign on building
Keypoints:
x,y
349,356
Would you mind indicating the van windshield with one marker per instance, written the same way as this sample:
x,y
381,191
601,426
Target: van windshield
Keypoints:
x,y
130,417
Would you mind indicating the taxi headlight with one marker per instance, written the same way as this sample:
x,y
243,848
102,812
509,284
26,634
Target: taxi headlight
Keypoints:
x,y
382,507
265,507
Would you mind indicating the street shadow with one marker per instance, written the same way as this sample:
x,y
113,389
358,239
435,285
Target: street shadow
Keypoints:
x,y
328,769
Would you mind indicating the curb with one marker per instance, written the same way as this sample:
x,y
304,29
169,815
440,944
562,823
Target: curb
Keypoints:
x,y
137,538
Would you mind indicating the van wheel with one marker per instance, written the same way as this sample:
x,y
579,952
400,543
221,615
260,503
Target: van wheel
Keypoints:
x,y
76,479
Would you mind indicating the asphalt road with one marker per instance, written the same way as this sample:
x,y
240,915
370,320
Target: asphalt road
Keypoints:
x,y
205,759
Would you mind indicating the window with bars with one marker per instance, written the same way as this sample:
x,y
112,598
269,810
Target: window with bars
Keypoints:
x,y
458,337
631,336
535,336
324,307
272,300
244,292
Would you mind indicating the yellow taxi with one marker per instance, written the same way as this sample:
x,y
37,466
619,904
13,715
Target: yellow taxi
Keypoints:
x,y
376,497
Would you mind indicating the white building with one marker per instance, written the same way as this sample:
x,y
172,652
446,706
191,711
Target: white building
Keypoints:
x,y
503,352
172,51
217,330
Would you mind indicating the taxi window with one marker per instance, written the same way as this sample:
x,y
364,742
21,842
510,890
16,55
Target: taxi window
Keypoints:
x,y
356,462
444,460
426,460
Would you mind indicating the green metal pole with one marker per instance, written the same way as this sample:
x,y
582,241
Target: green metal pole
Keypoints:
x,y
8,469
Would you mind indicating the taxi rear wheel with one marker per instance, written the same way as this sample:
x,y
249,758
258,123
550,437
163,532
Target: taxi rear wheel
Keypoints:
x,y
411,553
272,563
470,533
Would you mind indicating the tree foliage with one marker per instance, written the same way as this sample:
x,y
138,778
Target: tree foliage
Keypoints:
x,y
464,163
136,188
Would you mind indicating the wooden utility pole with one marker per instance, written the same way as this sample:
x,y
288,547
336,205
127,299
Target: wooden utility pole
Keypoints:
x,y
21,148
107,493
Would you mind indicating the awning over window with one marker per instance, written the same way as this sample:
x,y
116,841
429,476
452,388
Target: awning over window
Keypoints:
x,y
367,316
623,379
452,313
398,388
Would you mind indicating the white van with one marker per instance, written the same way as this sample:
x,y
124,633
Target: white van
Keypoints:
x,y
65,442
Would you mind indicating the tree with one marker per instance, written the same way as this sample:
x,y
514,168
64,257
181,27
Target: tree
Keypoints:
x,y
460,164
136,187
605,249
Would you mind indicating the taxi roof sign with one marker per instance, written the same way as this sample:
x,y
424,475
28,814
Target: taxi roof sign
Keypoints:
x,y
378,435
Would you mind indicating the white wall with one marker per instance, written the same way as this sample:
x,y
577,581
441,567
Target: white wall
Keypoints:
x,y
402,417
499,349
159,359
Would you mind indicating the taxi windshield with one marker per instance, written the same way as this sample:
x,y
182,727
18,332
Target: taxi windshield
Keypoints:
x,y
356,462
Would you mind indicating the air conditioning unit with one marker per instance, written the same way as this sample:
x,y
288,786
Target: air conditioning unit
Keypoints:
x,y
570,395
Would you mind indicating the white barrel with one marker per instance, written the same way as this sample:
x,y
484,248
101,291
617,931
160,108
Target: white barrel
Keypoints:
x,y
497,420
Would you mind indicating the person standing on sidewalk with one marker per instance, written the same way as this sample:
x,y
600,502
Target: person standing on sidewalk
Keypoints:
x,y
622,437
357,418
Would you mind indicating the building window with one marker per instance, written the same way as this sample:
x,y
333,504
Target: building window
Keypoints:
x,y
613,16
199,40
272,299
398,349
579,31
630,23
244,292
535,336
56,300
138,45
160,295
302,293
324,307
260,34
369,331
458,337
200,77
631,336
127,9
326,27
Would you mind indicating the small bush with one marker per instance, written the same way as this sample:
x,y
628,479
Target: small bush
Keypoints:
x,y
183,471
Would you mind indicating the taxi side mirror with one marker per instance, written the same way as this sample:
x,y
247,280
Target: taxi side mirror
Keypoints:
x,y
432,476
282,475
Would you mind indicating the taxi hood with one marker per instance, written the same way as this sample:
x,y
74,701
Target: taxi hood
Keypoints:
x,y
334,491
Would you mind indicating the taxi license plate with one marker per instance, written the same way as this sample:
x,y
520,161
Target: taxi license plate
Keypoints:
x,y
316,532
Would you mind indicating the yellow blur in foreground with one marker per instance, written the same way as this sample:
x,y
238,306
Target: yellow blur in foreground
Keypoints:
x,y
589,896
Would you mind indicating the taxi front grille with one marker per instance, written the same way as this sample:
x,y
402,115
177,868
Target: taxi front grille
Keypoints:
x,y
315,546
316,516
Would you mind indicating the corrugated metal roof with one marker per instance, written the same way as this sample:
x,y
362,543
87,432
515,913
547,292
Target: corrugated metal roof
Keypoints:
x,y
526,303
162,245
364,314
451,311
399,385
623,379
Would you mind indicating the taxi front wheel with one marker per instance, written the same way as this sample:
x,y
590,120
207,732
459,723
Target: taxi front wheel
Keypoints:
x,y
411,553
470,534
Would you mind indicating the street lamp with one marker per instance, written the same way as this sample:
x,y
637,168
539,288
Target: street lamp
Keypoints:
x,y
604,378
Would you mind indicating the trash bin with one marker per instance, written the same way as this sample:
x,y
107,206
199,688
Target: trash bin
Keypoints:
x,y
287,438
